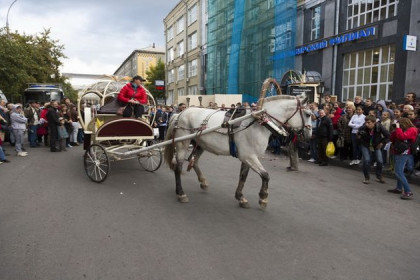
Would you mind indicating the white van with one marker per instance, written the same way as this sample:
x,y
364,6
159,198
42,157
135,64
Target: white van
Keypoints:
x,y
2,96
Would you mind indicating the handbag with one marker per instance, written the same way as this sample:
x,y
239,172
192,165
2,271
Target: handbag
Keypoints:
x,y
340,141
400,147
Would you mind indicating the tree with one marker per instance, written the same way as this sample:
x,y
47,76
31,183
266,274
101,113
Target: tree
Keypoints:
x,y
29,59
156,73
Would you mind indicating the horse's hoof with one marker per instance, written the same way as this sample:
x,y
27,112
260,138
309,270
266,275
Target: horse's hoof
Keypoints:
x,y
204,187
183,198
243,203
263,203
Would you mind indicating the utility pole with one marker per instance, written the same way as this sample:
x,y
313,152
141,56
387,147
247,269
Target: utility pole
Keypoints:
x,y
7,17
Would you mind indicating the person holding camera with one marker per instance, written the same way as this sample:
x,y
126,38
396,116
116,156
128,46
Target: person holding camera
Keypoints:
x,y
134,97
404,135
373,136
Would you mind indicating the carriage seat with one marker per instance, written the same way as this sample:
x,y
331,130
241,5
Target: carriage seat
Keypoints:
x,y
112,106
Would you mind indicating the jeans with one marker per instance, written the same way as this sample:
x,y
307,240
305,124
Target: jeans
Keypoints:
x,y
367,159
32,135
2,155
313,145
356,146
410,164
400,162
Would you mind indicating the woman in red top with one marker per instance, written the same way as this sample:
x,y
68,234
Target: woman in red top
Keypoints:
x,y
134,96
403,136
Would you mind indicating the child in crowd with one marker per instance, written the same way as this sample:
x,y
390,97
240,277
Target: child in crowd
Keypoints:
x,y
62,135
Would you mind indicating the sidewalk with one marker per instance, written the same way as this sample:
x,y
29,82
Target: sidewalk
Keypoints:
x,y
386,173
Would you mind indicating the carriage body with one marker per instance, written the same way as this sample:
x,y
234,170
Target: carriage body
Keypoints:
x,y
108,136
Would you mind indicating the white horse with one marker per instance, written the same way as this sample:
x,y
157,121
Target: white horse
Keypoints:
x,y
250,138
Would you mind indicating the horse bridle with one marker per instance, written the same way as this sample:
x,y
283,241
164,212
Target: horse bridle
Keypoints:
x,y
285,125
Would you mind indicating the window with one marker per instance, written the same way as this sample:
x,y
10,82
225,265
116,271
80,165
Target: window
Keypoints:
x,y
181,49
181,91
192,90
171,76
192,68
316,23
181,72
170,34
192,41
192,14
369,73
180,25
171,55
361,12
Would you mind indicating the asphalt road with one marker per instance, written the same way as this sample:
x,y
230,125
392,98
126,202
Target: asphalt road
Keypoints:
x,y
320,223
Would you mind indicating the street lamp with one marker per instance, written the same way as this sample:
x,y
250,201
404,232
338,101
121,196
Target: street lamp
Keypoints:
x,y
200,98
188,101
7,17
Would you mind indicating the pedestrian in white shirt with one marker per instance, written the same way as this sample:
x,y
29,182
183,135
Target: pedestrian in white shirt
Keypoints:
x,y
355,123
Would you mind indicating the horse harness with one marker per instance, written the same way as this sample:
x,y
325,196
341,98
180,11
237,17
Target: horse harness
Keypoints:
x,y
270,122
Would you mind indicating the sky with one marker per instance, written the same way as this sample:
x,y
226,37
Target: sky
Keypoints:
x,y
97,35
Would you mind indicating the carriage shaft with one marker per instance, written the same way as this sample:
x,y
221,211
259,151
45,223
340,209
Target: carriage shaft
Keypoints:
x,y
187,137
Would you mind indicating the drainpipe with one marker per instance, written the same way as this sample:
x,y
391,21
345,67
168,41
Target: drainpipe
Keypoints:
x,y
335,52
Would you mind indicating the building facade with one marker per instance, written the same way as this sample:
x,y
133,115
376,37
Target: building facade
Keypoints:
x,y
358,46
248,41
184,36
140,61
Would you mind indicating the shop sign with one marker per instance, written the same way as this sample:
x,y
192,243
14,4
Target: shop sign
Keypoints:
x,y
410,43
337,40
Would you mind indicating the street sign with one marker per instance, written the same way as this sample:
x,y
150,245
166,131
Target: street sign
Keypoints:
x,y
410,43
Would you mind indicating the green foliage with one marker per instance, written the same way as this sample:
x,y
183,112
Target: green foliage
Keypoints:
x,y
156,73
29,59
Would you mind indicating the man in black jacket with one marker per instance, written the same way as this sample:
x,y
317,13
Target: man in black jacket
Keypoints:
x,y
373,136
53,122
324,134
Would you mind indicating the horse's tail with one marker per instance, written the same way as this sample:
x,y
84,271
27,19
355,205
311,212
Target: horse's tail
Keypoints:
x,y
169,150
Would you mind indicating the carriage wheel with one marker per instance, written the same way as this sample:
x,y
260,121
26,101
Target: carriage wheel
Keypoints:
x,y
152,159
97,165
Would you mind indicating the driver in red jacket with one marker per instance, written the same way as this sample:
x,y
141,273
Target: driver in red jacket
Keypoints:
x,y
133,96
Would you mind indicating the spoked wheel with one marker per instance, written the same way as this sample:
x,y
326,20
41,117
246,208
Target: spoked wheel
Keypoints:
x,y
152,159
97,165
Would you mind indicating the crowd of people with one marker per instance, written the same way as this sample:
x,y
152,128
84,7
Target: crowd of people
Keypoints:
x,y
368,133
50,124
362,130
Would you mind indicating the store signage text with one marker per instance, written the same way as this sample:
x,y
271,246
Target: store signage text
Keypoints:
x,y
348,37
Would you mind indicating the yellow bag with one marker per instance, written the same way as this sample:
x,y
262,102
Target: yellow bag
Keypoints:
x,y
330,149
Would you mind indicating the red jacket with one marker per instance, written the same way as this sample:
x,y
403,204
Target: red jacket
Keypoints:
x,y
336,117
410,134
126,93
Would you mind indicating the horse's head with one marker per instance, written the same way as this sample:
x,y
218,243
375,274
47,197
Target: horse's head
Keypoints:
x,y
290,112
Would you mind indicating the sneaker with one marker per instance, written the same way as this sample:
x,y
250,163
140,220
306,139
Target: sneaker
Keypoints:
x,y
1,162
333,157
352,162
356,162
374,165
323,164
311,160
69,146
22,154
289,168
366,181
407,196
397,191
6,160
